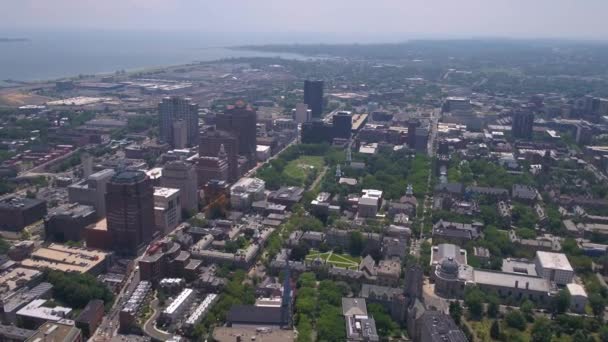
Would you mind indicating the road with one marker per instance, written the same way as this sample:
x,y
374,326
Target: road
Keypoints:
x,y
150,325
318,179
260,165
428,198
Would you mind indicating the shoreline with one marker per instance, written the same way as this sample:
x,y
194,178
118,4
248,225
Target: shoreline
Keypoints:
x,y
12,83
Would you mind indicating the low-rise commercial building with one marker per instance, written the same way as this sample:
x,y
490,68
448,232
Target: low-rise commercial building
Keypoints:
x,y
578,297
359,326
36,314
67,222
60,331
68,259
246,191
554,267
16,212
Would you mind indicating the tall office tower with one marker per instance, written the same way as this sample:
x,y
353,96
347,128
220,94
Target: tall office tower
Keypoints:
x,y
302,114
216,149
422,139
182,175
92,191
176,108
130,211
523,123
240,120
180,134
412,125
313,97
342,124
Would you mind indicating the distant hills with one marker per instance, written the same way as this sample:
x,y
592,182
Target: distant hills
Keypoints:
x,y
13,40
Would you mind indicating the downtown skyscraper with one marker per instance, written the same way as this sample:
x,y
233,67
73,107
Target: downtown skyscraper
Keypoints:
x,y
178,121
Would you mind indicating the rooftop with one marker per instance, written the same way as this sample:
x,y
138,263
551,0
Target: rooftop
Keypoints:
x,y
164,192
16,277
125,177
557,261
354,306
514,280
226,334
63,330
66,259
37,310
576,290
19,203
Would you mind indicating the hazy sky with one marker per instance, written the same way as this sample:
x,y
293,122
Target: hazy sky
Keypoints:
x,y
384,18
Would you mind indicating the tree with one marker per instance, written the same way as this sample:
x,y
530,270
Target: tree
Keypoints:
x,y
384,323
299,252
330,325
355,243
493,306
456,312
581,336
307,279
304,329
516,320
495,330
604,333
473,299
76,290
4,246
561,302
597,303
541,330
527,308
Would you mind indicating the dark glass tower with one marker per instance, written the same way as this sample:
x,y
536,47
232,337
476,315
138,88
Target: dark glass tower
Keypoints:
x,y
313,97
130,211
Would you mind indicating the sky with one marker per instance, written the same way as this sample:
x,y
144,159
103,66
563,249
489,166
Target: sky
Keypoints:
x,y
385,19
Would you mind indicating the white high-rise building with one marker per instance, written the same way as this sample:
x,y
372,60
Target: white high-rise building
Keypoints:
x,y
182,175
167,208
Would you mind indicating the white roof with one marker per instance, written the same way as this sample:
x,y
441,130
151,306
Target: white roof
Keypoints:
x,y
576,290
164,192
557,261
262,148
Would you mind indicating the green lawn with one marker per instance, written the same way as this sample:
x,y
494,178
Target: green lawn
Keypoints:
x,y
338,260
301,167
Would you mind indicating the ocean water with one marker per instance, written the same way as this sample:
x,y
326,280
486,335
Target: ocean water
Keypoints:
x,y
55,54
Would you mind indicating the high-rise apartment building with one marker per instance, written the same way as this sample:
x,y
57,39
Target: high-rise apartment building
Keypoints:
x,y
173,109
523,123
313,97
182,175
130,211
